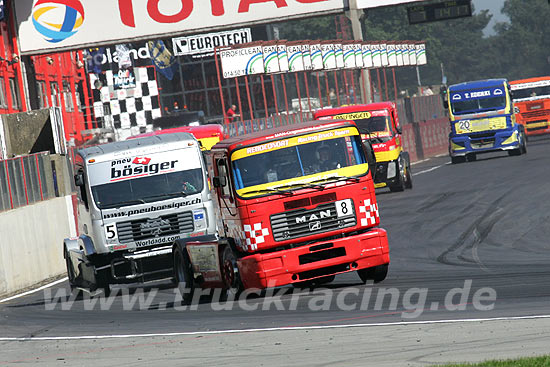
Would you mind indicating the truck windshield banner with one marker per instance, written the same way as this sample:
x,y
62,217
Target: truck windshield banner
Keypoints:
x,y
143,164
477,94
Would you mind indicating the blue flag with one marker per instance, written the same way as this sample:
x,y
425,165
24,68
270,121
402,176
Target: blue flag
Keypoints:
x,y
162,58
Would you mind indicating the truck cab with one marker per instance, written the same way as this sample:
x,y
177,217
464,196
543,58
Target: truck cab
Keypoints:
x,y
483,120
135,198
294,204
379,126
531,99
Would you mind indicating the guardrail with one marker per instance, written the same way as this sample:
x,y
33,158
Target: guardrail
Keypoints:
x,y
25,180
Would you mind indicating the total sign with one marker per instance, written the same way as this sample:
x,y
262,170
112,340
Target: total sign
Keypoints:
x,y
52,25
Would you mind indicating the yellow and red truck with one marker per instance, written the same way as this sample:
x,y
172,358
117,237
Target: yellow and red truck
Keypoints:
x,y
531,99
294,204
379,126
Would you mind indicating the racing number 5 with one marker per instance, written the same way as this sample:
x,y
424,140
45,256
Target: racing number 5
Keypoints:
x,y
110,231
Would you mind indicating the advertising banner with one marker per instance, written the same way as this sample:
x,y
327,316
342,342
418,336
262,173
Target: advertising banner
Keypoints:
x,y
384,53
376,56
45,26
205,43
282,54
367,55
306,56
349,55
242,61
271,57
316,55
295,60
339,54
421,54
329,56
358,55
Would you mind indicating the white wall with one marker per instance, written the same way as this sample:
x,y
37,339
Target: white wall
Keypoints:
x,y
31,243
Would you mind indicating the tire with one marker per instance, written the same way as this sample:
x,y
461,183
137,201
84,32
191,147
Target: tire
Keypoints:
x,y
471,157
71,276
522,146
230,273
314,282
408,175
376,274
183,273
458,159
400,184
524,143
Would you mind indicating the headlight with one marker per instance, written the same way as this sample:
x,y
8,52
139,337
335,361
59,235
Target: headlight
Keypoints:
x,y
516,109
391,169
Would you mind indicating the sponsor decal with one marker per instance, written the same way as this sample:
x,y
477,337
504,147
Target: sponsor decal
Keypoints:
x,y
313,217
140,166
154,208
57,20
156,241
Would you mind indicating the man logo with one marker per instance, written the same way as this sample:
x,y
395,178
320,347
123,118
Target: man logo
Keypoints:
x,y
57,20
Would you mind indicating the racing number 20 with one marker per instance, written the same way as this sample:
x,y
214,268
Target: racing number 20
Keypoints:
x,y
464,125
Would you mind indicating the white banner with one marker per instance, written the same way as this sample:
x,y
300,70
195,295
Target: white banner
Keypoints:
x,y
399,54
412,53
339,55
376,56
358,55
271,57
206,43
421,54
242,61
367,55
282,54
306,57
405,53
349,56
392,56
316,56
52,25
329,57
384,54
295,60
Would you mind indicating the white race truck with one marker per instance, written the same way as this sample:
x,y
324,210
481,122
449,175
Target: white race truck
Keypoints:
x,y
135,198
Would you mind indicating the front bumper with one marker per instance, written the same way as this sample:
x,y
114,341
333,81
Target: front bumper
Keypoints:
x,y
316,260
460,145
537,127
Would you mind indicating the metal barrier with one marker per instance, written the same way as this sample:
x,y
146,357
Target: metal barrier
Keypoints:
x,y
248,126
26,180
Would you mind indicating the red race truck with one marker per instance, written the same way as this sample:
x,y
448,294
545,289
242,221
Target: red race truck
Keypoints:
x,y
531,99
378,124
294,205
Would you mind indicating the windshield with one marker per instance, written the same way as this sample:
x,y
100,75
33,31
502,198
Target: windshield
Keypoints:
x,y
148,189
532,93
480,104
149,176
297,161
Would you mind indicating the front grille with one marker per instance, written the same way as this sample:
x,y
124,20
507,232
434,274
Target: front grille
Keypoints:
x,y
305,222
536,128
142,229
535,114
482,136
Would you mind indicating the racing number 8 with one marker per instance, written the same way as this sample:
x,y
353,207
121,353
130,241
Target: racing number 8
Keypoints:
x,y
344,207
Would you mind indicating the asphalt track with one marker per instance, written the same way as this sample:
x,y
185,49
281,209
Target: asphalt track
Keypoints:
x,y
480,227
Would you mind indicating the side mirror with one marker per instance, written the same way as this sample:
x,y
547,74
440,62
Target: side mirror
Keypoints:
x,y
219,181
79,179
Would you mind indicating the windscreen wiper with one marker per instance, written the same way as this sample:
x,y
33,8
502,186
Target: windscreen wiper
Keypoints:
x,y
178,193
338,178
302,185
281,192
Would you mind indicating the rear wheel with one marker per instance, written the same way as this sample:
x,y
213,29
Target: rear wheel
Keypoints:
x,y
376,274
230,273
183,273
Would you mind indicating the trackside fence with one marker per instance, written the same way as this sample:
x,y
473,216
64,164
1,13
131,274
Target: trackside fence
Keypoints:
x,y
27,179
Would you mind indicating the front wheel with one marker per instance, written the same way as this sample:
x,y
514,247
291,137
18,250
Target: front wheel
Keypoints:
x,y
400,183
230,272
376,274
71,275
183,273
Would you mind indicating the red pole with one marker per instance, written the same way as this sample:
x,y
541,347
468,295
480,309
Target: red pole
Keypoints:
x,y
263,92
39,179
275,99
371,86
394,83
364,86
307,91
220,84
346,85
24,181
248,96
240,104
337,89
286,99
386,84
353,86
329,102
319,90
379,84
8,179
299,97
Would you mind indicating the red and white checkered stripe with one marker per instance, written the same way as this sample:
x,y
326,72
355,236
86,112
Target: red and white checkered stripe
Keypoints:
x,y
255,235
370,212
